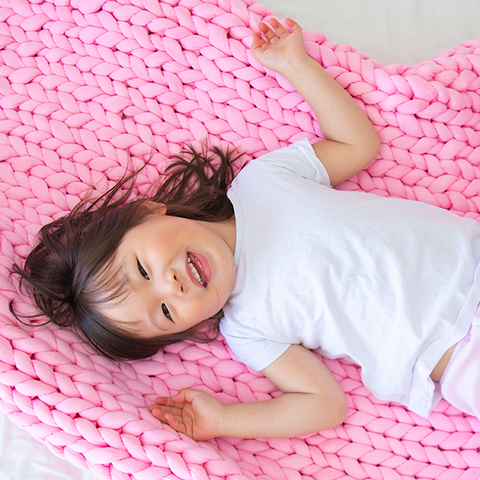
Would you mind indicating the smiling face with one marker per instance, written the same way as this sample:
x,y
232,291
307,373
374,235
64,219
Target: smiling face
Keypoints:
x,y
178,273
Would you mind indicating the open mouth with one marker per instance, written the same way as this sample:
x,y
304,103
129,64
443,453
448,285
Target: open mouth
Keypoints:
x,y
195,268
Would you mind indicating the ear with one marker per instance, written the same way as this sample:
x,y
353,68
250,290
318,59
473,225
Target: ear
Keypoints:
x,y
158,208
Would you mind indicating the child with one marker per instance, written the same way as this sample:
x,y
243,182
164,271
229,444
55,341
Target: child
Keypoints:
x,y
295,265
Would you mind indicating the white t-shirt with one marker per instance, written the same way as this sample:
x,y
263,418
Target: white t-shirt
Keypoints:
x,y
389,283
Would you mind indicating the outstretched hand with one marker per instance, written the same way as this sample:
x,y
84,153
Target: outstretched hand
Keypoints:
x,y
278,49
191,412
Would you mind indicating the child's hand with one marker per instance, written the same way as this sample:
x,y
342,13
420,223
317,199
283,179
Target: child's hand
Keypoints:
x,y
191,412
278,48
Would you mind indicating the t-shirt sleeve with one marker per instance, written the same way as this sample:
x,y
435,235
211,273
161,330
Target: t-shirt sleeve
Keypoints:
x,y
257,353
300,159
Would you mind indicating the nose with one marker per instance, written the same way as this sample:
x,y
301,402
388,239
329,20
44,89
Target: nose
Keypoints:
x,y
175,283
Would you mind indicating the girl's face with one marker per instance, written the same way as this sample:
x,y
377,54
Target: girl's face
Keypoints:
x,y
179,272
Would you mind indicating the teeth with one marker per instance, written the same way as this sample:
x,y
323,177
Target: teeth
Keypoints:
x,y
194,271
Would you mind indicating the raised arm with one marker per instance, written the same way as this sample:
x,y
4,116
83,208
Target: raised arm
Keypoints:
x,y
312,401
351,142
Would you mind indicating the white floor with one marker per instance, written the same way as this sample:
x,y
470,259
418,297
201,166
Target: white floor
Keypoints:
x,y
390,31
24,458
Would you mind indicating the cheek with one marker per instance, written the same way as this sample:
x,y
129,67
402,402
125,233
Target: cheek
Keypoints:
x,y
201,310
207,309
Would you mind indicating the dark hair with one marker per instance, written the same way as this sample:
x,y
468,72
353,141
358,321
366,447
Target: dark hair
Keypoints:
x,y
67,274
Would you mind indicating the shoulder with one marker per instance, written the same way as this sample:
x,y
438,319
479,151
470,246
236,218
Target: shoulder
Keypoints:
x,y
297,159
250,347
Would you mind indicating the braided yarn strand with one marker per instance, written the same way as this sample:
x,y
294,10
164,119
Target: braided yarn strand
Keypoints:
x,y
86,84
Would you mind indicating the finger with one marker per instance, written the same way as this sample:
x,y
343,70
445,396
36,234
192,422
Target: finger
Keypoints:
x,y
177,424
268,32
257,41
292,23
174,410
160,415
264,26
185,395
173,421
156,412
166,401
278,27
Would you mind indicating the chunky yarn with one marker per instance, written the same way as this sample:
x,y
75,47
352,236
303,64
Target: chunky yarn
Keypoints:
x,y
85,82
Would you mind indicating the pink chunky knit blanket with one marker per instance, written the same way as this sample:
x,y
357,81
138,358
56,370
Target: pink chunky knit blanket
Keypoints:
x,y
83,82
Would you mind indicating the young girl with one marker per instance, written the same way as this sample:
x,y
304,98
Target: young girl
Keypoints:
x,y
294,264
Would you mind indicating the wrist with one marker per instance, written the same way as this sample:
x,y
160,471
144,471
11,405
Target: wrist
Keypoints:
x,y
222,421
299,66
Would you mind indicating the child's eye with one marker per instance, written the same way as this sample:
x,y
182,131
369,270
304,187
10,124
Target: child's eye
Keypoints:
x,y
142,271
166,311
